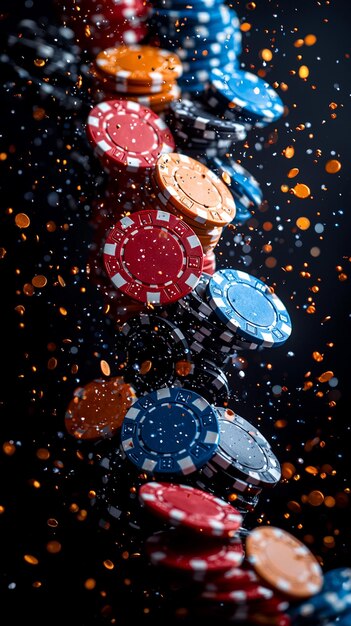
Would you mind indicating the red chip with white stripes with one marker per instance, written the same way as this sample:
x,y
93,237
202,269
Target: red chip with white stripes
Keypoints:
x,y
153,257
192,508
127,135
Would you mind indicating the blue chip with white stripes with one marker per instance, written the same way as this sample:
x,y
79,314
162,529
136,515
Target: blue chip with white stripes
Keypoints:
x,y
170,431
248,308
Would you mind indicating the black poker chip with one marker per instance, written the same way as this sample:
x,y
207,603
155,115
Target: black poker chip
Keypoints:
x,y
154,346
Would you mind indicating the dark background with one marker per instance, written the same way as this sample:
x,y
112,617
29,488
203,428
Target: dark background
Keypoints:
x,y
47,499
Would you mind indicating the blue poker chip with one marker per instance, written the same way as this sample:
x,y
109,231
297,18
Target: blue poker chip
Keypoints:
x,y
333,602
248,308
250,95
241,179
170,431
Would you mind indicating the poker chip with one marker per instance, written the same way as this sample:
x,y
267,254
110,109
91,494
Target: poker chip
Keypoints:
x,y
154,346
171,431
243,448
97,410
194,189
139,64
203,376
284,562
244,187
153,257
251,592
243,94
330,603
127,136
191,508
248,308
170,549
233,579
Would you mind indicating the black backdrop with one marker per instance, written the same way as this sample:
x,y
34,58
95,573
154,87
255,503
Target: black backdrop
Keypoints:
x,y
45,499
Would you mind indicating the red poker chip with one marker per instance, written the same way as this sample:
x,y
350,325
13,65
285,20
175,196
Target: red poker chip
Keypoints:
x,y
153,257
252,592
126,134
273,606
174,550
235,578
193,508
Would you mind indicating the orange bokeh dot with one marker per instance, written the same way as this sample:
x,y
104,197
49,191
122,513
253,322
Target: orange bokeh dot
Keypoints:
x,y
333,166
303,223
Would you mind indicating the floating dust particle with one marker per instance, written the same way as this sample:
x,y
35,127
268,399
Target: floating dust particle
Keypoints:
x,y
317,356
299,43
52,363
145,367
329,502
310,40
245,27
288,470
251,6
293,172
53,547
301,191
342,277
63,311
303,223
265,54
105,368
315,498
90,583
329,541
304,72
289,152
43,454
267,226
8,448
333,166
39,114
284,188
280,424
183,368
39,62
22,220
109,564
61,281
326,376
294,506
3,156
51,226
315,251
32,560
3,253
310,469
270,262
39,281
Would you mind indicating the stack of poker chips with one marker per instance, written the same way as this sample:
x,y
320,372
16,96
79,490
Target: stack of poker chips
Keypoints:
x,y
44,59
192,192
204,34
228,575
142,74
242,465
157,355
127,138
228,312
99,24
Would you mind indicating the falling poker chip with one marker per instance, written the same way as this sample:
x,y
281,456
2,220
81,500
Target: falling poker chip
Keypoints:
x,y
153,257
191,508
172,550
170,431
154,346
248,308
97,410
243,448
284,562
204,377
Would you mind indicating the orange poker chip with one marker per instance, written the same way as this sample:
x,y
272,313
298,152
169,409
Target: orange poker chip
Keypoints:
x,y
194,189
284,562
97,410
139,64
121,87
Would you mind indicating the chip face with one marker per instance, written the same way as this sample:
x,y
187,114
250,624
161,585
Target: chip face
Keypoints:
x,y
153,257
170,431
194,189
192,508
284,562
248,308
127,135
249,94
139,64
